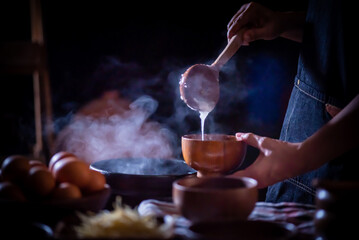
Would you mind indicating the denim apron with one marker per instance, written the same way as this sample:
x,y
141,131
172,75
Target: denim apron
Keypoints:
x,y
321,79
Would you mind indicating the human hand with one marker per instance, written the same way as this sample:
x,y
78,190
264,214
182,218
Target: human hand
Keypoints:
x,y
262,23
277,160
259,21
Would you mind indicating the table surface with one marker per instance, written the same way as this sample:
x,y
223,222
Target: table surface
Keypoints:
x,y
298,216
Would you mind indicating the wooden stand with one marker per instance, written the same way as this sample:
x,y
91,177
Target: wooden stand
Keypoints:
x,y
29,58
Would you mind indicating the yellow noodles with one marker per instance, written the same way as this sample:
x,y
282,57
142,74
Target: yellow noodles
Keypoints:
x,y
122,222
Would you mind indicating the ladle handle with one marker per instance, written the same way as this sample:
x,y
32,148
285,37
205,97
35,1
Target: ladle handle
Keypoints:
x,y
232,47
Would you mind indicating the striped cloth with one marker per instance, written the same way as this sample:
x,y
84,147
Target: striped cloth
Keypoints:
x,y
300,215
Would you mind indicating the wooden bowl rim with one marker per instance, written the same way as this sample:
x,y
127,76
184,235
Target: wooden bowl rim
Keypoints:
x,y
198,137
250,183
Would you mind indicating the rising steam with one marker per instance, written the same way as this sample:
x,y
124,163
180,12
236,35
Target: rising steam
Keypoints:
x,y
111,127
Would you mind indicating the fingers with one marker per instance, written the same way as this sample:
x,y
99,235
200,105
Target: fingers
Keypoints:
x,y
254,34
259,23
239,20
251,139
332,110
234,18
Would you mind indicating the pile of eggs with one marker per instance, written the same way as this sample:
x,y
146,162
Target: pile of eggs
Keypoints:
x,y
66,177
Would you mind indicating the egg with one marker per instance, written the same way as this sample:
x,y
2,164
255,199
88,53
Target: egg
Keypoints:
x,y
96,183
14,168
40,181
11,191
37,163
72,170
58,156
66,190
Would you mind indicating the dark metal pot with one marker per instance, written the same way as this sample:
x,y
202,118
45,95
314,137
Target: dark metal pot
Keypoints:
x,y
137,179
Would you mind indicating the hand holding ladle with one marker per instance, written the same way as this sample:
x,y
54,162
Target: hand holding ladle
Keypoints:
x,y
199,85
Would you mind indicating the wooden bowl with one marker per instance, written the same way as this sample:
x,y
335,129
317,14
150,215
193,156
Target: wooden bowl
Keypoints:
x,y
215,198
93,202
216,155
54,210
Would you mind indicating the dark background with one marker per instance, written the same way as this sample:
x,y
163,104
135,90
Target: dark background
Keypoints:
x,y
141,49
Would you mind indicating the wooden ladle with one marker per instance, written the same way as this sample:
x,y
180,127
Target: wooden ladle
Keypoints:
x,y
199,85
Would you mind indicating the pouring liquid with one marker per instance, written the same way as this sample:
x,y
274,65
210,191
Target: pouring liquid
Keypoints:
x,y
202,116
205,108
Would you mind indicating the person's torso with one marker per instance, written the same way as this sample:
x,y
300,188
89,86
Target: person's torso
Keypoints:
x,y
324,76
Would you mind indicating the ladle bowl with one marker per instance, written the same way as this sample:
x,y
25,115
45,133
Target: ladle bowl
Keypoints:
x,y
199,87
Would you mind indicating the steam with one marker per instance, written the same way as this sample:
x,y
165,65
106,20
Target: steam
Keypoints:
x,y
150,126
138,166
115,131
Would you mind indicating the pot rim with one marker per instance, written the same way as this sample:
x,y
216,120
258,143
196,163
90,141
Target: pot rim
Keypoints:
x,y
107,173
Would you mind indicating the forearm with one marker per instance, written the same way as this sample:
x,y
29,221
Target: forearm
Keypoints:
x,y
338,136
292,24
